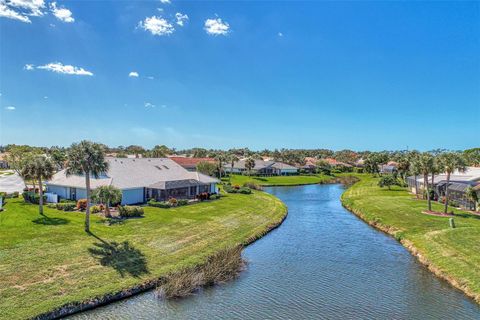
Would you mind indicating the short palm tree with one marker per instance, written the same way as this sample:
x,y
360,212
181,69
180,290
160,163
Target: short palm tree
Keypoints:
x,y
249,164
414,168
88,159
221,159
39,168
451,161
107,195
425,167
472,196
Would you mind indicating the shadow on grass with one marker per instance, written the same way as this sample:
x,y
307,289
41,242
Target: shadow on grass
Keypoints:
x,y
465,215
122,257
47,221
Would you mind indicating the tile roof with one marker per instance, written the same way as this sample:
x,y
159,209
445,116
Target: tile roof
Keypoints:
x,y
127,173
188,162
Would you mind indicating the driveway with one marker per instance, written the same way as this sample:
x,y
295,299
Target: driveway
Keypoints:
x,y
10,183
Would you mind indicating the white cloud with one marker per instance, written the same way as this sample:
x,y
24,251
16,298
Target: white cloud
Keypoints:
x,y
280,34
21,9
61,13
45,97
158,26
133,74
165,1
28,66
150,78
149,105
10,108
181,18
216,27
65,69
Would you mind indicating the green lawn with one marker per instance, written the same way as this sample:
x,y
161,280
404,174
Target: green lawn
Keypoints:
x,y
46,262
455,253
279,180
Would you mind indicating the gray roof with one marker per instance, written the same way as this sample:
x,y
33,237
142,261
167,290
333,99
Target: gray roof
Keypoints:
x,y
261,164
126,173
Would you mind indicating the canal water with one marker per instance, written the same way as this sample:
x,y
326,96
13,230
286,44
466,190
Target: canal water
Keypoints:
x,y
321,263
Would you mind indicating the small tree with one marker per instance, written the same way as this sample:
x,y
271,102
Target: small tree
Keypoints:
x,y
425,166
221,159
323,167
232,158
450,162
107,195
39,168
207,168
249,164
388,181
472,196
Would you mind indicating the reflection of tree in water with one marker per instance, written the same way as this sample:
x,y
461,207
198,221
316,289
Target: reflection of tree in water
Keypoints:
x,y
123,257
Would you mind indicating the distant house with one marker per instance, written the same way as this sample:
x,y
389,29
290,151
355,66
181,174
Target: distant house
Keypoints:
x,y
3,161
310,165
335,163
139,180
190,163
268,168
459,183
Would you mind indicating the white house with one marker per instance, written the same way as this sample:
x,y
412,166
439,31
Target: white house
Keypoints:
x,y
263,168
139,180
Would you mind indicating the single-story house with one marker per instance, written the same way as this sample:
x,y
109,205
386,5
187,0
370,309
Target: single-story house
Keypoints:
x,y
270,168
310,165
336,163
139,180
191,163
459,182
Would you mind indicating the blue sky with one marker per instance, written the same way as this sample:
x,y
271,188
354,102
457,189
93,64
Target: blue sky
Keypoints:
x,y
260,74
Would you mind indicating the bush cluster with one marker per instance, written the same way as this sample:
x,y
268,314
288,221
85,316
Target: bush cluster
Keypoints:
x,y
242,190
172,202
158,204
130,211
32,197
203,196
252,185
5,195
64,206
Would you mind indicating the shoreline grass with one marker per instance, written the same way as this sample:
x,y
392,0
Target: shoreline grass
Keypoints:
x,y
47,262
451,254
279,181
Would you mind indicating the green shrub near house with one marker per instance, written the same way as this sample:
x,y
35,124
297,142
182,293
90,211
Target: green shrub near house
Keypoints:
x,y
130,211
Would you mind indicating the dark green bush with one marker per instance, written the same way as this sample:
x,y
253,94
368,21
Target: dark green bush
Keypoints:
x,y
182,202
32,197
215,196
130,211
245,190
158,204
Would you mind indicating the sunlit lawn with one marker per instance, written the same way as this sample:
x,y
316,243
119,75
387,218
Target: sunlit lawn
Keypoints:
x,y
48,261
454,251
278,180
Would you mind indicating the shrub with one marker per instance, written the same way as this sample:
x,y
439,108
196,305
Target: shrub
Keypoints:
x,y
236,187
173,202
245,190
203,196
82,204
157,204
66,206
230,189
32,197
182,202
252,185
95,209
130,211
215,196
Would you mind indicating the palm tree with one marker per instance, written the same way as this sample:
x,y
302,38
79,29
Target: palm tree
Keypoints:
x,y
403,167
425,166
221,159
39,168
232,158
107,195
249,164
451,161
88,159
472,196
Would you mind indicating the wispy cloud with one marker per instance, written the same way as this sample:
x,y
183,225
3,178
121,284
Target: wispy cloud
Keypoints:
x,y
216,27
150,78
62,13
181,18
133,74
149,105
280,34
158,26
58,67
10,108
165,1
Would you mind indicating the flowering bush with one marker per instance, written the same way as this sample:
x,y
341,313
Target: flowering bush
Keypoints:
x,y
82,204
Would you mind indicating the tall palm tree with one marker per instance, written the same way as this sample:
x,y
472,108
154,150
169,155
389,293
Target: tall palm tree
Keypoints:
x,y
88,159
221,159
403,167
39,168
425,166
451,161
232,158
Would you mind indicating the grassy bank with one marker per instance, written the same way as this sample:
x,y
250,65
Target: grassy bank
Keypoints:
x,y
47,262
453,254
280,180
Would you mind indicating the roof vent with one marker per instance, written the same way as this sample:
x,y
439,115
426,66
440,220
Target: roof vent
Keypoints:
x,y
158,167
165,166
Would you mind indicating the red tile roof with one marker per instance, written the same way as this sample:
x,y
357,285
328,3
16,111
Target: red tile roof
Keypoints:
x,y
187,162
